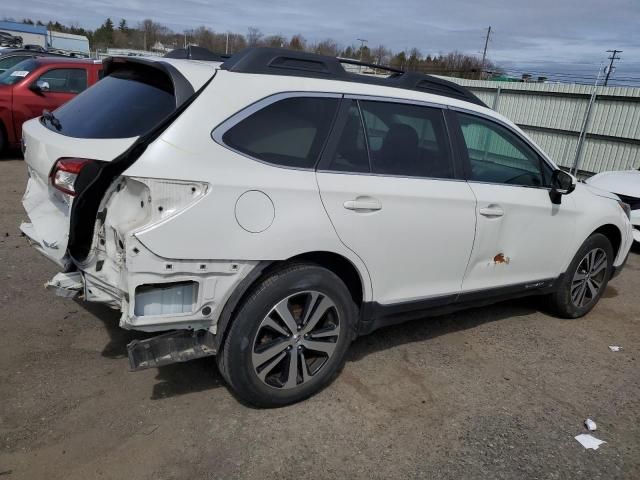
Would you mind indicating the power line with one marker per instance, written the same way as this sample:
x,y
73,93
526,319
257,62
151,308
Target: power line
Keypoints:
x,y
612,58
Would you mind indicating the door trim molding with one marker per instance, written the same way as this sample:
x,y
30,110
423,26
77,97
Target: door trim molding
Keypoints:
x,y
374,315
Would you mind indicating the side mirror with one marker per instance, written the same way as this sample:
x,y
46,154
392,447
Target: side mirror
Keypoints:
x,y
562,183
40,86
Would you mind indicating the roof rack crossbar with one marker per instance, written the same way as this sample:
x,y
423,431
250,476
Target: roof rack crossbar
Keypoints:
x,y
352,61
278,61
193,52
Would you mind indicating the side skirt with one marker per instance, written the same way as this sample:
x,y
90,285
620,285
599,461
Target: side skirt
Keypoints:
x,y
374,315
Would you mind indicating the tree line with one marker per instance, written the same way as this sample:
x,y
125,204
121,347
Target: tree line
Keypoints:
x,y
150,35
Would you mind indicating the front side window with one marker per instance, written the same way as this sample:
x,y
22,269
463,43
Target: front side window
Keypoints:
x,y
496,155
407,140
289,132
65,80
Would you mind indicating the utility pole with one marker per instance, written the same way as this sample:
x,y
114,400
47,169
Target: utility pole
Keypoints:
x,y
226,48
486,44
610,67
362,42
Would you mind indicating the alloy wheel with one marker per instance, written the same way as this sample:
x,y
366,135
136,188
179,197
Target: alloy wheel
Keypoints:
x,y
296,339
589,277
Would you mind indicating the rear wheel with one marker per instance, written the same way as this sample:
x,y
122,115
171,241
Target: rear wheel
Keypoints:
x,y
585,279
289,338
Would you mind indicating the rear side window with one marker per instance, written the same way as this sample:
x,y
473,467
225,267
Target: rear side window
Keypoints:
x,y
290,132
127,103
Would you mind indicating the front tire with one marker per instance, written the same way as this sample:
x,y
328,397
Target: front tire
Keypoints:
x,y
586,278
289,337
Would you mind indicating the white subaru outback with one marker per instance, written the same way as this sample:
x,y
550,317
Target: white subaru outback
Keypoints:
x,y
271,208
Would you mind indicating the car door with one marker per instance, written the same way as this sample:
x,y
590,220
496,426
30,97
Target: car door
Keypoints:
x,y
522,238
388,182
57,86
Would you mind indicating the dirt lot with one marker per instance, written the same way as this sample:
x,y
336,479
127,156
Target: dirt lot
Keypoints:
x,y
496,392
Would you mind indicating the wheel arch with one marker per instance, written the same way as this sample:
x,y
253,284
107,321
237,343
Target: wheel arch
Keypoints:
x,y
344,268
613,234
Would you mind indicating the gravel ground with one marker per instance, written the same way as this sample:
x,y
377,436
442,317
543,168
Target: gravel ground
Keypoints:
x,y
496,392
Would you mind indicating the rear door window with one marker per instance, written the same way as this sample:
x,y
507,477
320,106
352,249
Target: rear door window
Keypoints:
x,y
290,132
407,140
125,104
351,153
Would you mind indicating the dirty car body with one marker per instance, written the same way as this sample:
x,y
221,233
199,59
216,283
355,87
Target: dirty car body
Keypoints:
x,y
626,185
262,211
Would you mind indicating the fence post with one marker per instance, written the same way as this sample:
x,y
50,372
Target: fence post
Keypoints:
x,y
583,132
496,99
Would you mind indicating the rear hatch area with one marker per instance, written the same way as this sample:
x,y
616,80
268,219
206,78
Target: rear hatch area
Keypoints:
x,y
75,153
48,208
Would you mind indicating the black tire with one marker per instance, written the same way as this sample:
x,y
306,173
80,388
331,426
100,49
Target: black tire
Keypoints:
x,y
563,300
3,139
293,283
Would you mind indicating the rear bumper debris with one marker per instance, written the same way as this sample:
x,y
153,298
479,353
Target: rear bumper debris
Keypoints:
x,y
67,285
172,347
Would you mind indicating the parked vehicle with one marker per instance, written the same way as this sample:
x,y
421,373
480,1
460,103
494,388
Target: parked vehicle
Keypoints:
x,y
36,84
272,208
626,185
11,41
12,56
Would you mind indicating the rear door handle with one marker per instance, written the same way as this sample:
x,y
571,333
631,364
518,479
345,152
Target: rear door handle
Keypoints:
x,y
363,204
492,211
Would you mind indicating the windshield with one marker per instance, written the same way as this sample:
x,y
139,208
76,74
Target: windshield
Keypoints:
x,y
18,72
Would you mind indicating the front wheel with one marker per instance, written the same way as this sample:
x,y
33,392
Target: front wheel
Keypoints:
x,y
290,336
585,279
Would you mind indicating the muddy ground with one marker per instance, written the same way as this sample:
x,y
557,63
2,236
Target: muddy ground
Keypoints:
x,y
496,392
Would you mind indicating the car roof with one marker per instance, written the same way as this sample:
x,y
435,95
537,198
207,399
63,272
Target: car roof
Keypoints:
x,y
281,62
47,60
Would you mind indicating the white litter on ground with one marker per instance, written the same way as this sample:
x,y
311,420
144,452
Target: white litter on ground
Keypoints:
x,y
590,424
589,441
615,348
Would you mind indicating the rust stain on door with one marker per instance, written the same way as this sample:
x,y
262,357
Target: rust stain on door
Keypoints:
x,y
501,259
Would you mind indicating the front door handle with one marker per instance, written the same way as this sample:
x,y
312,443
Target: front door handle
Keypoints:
x,y
492,211
363,204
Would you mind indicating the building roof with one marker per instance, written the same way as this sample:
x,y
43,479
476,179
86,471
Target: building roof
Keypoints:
x,y
23,27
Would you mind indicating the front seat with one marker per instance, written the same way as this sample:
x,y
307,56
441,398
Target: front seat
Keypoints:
x,y
400,152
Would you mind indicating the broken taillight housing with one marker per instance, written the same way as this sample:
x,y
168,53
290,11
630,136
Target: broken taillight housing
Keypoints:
x,y
65,172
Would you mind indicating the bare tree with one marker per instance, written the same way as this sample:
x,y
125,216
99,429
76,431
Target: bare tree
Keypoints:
x,y
275,41
298,42
254,35
327,47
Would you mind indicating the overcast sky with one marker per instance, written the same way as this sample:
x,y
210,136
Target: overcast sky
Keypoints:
x,y
538,35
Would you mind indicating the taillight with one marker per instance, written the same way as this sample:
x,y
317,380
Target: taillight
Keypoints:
x,y
65,172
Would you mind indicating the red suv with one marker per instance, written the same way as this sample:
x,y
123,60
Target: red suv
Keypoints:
x,y
38,84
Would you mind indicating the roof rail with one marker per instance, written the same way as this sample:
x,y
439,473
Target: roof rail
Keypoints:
x,y
278,61
351,61
192,52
